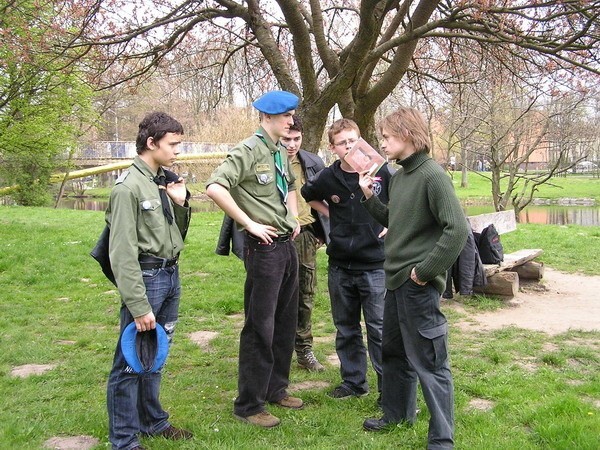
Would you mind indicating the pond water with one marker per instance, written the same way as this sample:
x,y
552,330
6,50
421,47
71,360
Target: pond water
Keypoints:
x,y
551,215
92,204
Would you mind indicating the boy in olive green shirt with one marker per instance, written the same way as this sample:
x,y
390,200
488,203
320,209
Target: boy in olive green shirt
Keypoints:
x,y
255,187
147,228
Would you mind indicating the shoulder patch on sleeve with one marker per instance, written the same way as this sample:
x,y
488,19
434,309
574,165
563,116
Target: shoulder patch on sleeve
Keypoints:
x,y
122,177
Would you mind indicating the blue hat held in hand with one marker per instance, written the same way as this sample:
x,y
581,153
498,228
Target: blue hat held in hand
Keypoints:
x,y
145,352
276,102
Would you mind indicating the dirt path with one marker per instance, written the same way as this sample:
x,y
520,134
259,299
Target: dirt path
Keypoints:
x,y
567,302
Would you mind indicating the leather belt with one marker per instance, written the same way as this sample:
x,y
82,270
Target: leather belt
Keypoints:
x,y
280,238
152,262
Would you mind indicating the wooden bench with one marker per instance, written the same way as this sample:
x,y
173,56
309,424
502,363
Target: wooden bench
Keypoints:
x,y
503,278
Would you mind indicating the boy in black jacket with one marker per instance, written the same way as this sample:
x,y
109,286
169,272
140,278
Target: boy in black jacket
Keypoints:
x,y
355,274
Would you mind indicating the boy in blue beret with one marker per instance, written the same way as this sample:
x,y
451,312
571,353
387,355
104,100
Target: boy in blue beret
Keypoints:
x,y
276,102
255,186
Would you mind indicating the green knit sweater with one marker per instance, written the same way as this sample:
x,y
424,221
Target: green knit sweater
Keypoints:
x,y
427,227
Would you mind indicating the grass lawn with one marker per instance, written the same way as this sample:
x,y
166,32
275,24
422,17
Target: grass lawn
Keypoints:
x,y
572,186
514,388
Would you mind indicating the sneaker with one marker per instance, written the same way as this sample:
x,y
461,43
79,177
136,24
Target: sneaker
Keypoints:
x,y
308,361
262,419
174,433
290,402
345,392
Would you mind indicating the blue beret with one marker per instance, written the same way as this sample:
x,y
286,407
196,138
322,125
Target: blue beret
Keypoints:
x,y
145,352
276,102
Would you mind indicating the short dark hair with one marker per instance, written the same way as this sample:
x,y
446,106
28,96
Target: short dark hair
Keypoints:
x,y
155,125
297,124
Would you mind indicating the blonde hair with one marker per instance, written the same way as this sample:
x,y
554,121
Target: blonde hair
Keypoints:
x,y
340,125
408,123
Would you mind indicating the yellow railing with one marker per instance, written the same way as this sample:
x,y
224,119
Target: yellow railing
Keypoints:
x,y
59,177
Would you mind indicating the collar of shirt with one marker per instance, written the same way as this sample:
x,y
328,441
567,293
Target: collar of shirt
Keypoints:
x,y
145,168
264,136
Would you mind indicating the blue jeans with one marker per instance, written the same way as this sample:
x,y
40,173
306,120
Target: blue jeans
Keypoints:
x,y
349,291
132,399
267,338
415,346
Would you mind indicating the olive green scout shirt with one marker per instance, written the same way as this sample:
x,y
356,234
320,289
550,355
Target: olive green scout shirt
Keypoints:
x,y
138,226
248,172
305,216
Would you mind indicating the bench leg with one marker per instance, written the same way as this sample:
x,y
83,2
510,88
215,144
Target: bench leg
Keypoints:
x,y
502,283
531,270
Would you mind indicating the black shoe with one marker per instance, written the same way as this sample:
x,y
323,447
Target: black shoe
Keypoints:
x,y
174,433
377,424
345,392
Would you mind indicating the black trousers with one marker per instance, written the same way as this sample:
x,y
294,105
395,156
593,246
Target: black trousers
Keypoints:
x,y
271,312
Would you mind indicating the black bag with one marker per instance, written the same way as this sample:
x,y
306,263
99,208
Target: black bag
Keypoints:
x,y
100,254
489,245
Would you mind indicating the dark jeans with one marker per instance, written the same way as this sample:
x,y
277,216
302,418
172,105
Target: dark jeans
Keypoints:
x,y
132,399
349,291
267,338
306,246
415,346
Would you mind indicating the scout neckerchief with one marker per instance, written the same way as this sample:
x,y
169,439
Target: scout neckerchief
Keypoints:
x,y
280,180
161,181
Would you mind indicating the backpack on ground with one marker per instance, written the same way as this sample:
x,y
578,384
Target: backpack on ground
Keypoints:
x,y
489,245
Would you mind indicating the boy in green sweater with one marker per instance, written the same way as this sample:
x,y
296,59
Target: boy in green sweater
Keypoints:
x,y
427,229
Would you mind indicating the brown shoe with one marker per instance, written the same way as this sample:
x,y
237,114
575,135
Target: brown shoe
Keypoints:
x,y
307,360
174,433
290,402
262,419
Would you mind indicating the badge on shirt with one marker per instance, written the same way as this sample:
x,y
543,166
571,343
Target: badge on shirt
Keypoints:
x,y
376,188
264,175
150,205
264,178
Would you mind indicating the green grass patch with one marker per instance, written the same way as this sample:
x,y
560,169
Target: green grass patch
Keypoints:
x,y
571,186
514,388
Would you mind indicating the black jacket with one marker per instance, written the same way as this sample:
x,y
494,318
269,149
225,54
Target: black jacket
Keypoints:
x,y
311,165
231,239
467,271
354,242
